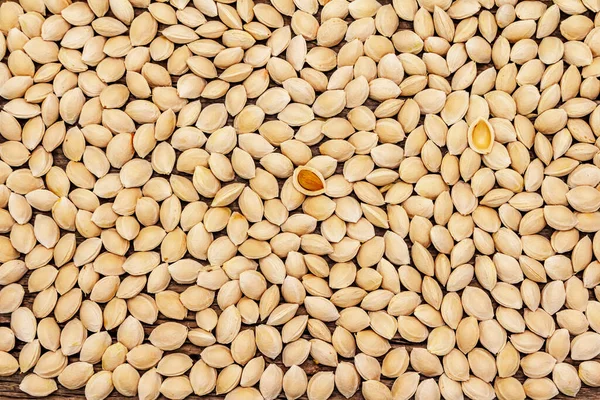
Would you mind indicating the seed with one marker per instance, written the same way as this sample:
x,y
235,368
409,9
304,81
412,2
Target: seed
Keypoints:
x,y
125,380
33,385
174,364
476,298
76,375
543,362
99,385
8,363
481,136
294,382
271,382
540,388
168,336
144,356
23,324
405,385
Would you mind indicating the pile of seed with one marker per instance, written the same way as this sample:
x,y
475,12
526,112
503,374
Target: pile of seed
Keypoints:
x,y
217,197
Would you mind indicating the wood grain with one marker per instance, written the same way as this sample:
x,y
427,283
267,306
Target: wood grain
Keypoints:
x,y
9,386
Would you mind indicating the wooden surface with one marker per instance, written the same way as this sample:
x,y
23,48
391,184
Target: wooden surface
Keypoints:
x,y
9,386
